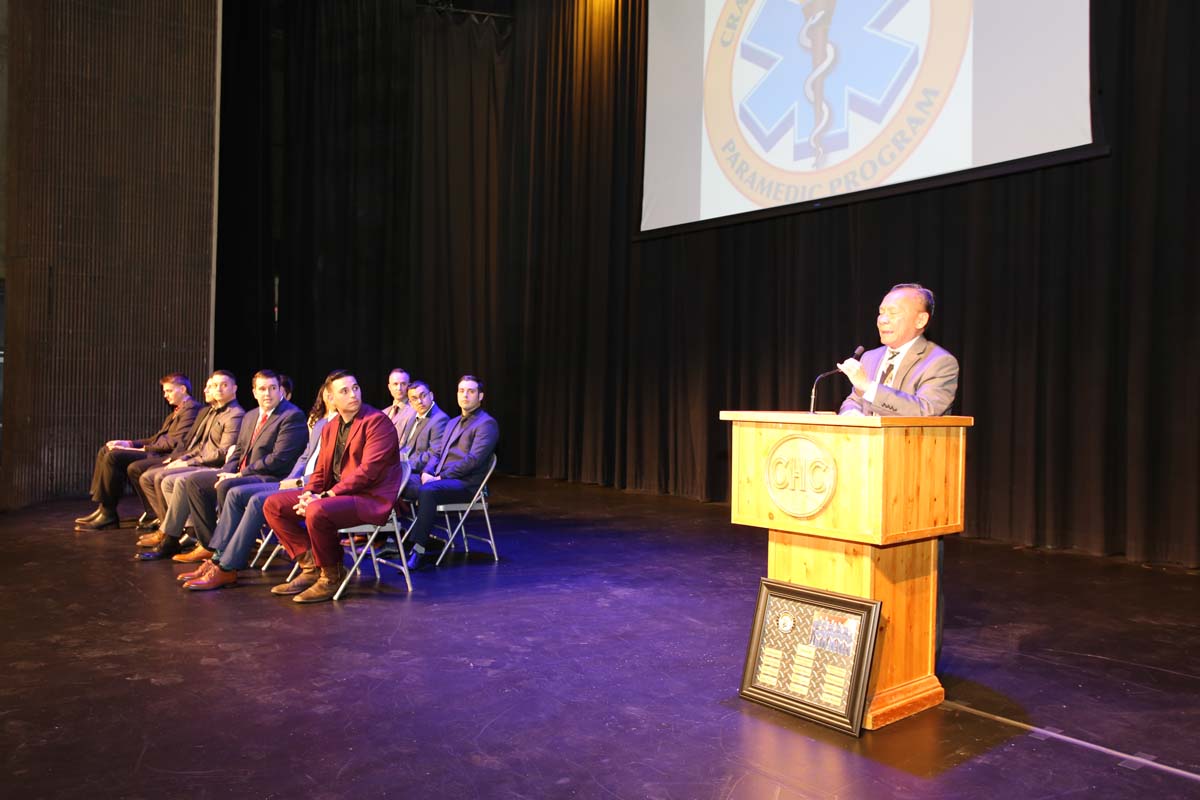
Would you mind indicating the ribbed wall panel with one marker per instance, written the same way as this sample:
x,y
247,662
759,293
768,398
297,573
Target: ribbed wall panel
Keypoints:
x,y
110,226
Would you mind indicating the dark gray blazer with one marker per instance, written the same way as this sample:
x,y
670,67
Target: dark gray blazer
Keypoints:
x,y
210,445
467,450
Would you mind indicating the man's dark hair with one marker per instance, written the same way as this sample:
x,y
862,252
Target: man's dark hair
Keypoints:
x,y
418,385
227,374
477,381
177,378
926,295
285,383
400,369
338,374
266,374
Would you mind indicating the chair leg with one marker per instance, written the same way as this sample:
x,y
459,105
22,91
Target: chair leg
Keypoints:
x,y
262,547
491,537
271,558
353,551
359,555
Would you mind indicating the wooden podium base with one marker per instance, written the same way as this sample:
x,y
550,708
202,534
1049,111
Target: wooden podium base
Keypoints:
x,y
904,578
903,701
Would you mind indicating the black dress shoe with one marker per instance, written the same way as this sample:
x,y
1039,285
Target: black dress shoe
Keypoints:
x,y
107,519
170,546
149,526
81,520
419,561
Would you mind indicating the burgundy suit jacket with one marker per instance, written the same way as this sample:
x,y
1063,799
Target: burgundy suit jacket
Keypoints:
x,y
371,467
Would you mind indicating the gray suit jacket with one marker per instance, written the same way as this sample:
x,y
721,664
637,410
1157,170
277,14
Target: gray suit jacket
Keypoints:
x,y
400,417
427,441
926,383
467,450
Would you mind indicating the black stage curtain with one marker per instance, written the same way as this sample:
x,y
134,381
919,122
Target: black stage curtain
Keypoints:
x,y
1066,292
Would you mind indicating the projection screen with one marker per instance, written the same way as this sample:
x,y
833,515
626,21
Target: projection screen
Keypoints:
x,y
760,104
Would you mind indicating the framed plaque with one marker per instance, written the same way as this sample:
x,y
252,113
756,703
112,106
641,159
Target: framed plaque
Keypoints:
x,y
810,653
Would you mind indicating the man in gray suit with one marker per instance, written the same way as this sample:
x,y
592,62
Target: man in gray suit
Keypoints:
x,y
423,435
400,412
455,471
909,376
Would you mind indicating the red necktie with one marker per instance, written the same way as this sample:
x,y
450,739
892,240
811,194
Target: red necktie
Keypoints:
x,y
262,419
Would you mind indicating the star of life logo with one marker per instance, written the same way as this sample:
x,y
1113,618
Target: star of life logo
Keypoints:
x,y
811,98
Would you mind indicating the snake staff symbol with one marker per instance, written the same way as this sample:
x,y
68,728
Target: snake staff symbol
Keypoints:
x,y
814,37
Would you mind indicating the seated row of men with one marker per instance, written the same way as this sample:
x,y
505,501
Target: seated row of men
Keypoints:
x,y
230,472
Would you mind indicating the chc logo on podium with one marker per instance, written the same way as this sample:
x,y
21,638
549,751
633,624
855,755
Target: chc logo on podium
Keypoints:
x,y
801,476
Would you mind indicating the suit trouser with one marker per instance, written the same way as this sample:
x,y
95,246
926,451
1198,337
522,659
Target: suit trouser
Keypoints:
x,y
135,471
240,523
318,529
109,475
170,484
151,482
203,496
447,490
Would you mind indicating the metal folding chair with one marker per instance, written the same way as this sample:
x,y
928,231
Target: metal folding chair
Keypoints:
x,y
479,501
390,525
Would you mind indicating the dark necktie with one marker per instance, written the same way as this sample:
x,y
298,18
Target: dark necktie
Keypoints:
x,y
412,430
889,367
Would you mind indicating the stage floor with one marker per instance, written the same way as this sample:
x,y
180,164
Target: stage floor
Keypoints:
x,y
600,658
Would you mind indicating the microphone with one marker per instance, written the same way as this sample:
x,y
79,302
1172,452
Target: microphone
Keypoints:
x,y
812,398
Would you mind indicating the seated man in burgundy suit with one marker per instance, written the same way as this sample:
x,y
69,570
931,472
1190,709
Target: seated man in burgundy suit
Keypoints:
x,y
355,481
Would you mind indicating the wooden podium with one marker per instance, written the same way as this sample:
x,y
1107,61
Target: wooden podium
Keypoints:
x,y
856,505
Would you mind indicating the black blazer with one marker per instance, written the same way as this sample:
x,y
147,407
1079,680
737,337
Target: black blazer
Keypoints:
x,y
174,430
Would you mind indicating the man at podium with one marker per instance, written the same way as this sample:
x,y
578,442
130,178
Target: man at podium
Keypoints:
x,y
909,376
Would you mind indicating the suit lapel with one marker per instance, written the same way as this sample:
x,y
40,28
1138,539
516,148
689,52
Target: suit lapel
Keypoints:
x,y
911,359
458,425
356,430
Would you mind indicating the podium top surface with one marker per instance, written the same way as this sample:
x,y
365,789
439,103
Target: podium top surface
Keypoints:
x,y
846,421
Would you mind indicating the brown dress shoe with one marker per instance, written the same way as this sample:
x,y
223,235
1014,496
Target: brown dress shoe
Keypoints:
x,y
195,573
215,578
325,587
151,539
197,554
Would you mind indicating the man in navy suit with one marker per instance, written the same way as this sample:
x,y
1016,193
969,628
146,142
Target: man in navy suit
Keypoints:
x,y
458,469
270,439
909,376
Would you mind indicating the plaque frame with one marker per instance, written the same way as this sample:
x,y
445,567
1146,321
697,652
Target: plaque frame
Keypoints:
x,y
867,613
